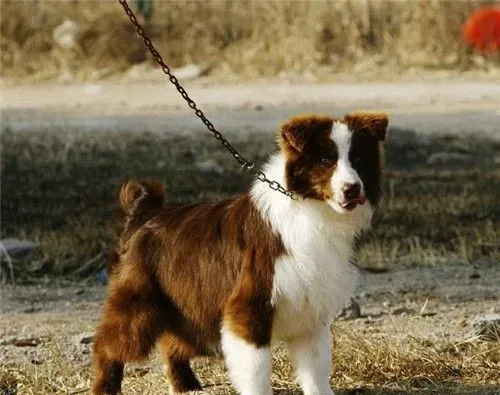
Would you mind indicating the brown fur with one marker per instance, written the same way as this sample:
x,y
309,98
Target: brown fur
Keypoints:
x,y
369,131
373,123
180,272
309,170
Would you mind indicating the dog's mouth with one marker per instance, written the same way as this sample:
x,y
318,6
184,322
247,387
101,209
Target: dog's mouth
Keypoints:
x,y
353,203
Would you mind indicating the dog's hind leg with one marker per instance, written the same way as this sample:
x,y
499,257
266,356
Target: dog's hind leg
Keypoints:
x,y
108,375
176,354
180,376
131,323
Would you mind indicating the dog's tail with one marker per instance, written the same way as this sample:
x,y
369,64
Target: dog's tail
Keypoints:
x,y
139,202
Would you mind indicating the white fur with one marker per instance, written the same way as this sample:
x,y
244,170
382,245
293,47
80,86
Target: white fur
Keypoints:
x,y
249,367
344,172
315,277
313,280
311,358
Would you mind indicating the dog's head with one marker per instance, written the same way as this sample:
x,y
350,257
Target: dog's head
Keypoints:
x,y
335,160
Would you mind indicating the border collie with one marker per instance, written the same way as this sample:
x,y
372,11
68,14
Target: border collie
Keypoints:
x,y
234,277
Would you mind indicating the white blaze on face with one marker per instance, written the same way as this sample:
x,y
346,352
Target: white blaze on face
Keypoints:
x,y
344,172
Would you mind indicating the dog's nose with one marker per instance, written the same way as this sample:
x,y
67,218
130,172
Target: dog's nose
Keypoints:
x,y
351,191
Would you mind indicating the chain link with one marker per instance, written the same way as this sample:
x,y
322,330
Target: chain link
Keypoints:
x,y
248,165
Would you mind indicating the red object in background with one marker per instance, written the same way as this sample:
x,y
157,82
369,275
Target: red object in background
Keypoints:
x,y
482,30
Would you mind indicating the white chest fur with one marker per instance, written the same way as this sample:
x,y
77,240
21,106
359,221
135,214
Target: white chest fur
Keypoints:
x,y
313,280
309,290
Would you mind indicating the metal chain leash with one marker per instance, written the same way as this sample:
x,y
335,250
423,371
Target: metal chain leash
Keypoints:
x,y
274,185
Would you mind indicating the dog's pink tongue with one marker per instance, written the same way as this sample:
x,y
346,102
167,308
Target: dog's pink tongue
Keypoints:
x,y
354,202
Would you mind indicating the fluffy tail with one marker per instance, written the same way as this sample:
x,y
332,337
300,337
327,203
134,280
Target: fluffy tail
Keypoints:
x,y
139,202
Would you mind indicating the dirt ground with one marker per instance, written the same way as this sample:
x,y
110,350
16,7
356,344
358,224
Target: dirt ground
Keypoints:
x,y
432,305
393,301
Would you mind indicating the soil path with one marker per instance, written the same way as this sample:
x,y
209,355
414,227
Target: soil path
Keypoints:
x,y
426,107
450,294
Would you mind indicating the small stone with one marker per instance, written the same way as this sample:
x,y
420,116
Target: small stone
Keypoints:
x,y
37,361
387,304
403,311
21,342
67,34
351,310
487,327
84,338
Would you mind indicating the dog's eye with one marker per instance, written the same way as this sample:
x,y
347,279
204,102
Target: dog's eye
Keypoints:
x,y
327,161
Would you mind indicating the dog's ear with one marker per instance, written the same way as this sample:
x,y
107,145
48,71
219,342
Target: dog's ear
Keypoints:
x,y
368,122
295,134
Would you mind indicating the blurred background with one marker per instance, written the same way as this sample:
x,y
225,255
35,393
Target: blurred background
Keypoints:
x,y
91,40
84,107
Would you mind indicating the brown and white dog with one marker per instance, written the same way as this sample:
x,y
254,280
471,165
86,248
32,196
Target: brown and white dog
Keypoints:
x,y
235,276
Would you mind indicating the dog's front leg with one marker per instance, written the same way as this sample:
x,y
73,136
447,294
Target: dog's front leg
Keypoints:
x,y
311,357
249,365
246,337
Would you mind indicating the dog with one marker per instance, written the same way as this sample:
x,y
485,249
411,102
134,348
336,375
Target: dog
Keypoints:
x,y
233,277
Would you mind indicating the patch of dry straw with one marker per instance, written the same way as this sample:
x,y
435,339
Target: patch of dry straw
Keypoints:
x,y
360,361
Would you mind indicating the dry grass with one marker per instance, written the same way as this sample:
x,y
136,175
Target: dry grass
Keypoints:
x,y
366,363
247,39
